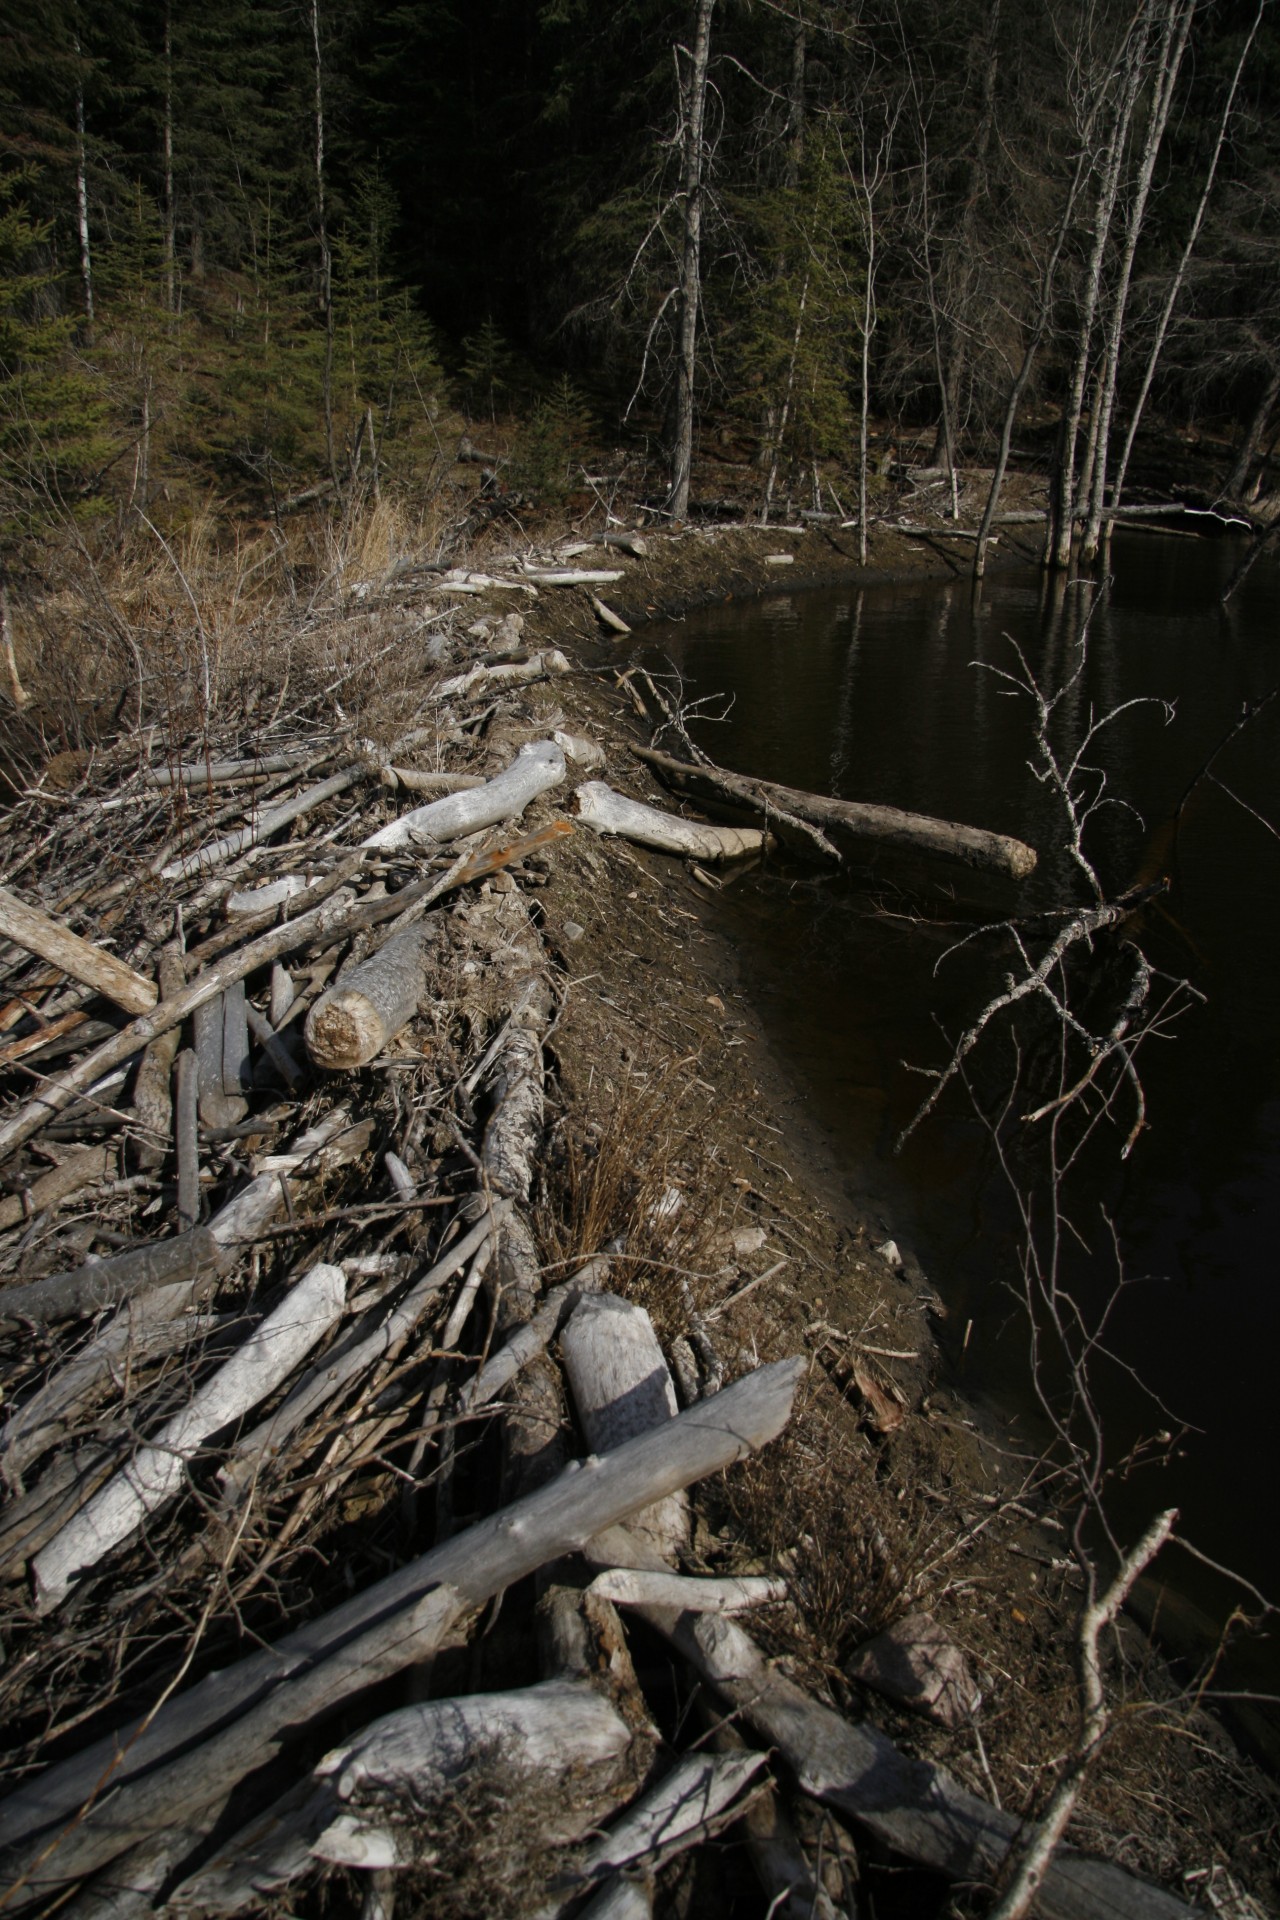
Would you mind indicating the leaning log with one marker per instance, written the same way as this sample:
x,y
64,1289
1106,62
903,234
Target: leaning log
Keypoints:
x,y
538,765
609,812
888,826
184,1758
37,932
354,1021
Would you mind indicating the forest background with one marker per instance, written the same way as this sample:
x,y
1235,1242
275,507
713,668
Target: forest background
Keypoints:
x,y
287,252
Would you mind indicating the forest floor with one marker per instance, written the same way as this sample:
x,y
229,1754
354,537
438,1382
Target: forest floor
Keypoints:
x,y
888,1496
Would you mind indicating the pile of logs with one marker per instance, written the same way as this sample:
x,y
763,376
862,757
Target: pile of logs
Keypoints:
x,y
289,1404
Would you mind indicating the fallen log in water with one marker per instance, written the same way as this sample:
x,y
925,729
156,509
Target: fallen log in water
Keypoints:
x,y
889,826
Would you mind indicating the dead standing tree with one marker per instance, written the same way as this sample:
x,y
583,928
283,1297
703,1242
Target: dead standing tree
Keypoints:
x,y
693,101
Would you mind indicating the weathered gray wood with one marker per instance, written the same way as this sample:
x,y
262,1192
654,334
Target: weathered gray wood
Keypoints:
x,y
563,1738
79,1169
218,1107
354,1021
698,1798
514,1130
201,773
193,1748
609,812
415,781
187,1256
157,1472
484,680
186,1079
889,826
152,1096
538,765
621,1387
916,1809
265,825
639,1587
37,932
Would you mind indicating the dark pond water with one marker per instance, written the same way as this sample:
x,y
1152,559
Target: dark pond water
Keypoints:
x,y
875,695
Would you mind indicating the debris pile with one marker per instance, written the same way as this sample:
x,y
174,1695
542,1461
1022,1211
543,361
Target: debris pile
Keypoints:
x,y
292,1398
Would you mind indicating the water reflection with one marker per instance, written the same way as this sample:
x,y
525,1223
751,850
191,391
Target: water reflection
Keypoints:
x,y
877,696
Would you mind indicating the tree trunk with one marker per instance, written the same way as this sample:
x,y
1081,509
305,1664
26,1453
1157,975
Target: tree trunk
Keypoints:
x,y
1237,480
82,194
1175,286
170,222
37,932
694,105
322,236
1173,43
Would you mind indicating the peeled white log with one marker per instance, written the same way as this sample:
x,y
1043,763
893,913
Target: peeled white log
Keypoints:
x,y
620,1899
609,812
538,765
157,1471
189,1752
507,673
354,1021
37,932
562,1736
607,617
621,1387
327,1144
262,899
634,1587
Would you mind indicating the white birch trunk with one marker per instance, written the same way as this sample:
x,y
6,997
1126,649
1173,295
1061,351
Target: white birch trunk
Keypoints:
x,y
694,104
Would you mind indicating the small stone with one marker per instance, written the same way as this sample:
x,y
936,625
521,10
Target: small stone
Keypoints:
x,y
505,883
572,931
890,1255
914,1663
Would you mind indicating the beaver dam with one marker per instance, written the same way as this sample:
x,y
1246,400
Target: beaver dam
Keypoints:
x,y
457,1456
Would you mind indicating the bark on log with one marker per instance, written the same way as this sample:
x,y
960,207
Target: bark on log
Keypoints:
x,y
152,1090
609,812
37,932
211,773
218,1106
190,1751
158,1470
538,765
916,1809
888,826
354,1021
414,781
563,1738
627,542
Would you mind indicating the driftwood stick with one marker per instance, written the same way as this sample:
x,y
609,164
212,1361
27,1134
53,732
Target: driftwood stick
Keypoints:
x,y
888,825
192,1750
699,1797
538,765
509,673
201,773
37,932
414,781
158,1470
636,1587
186,1078
609,812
